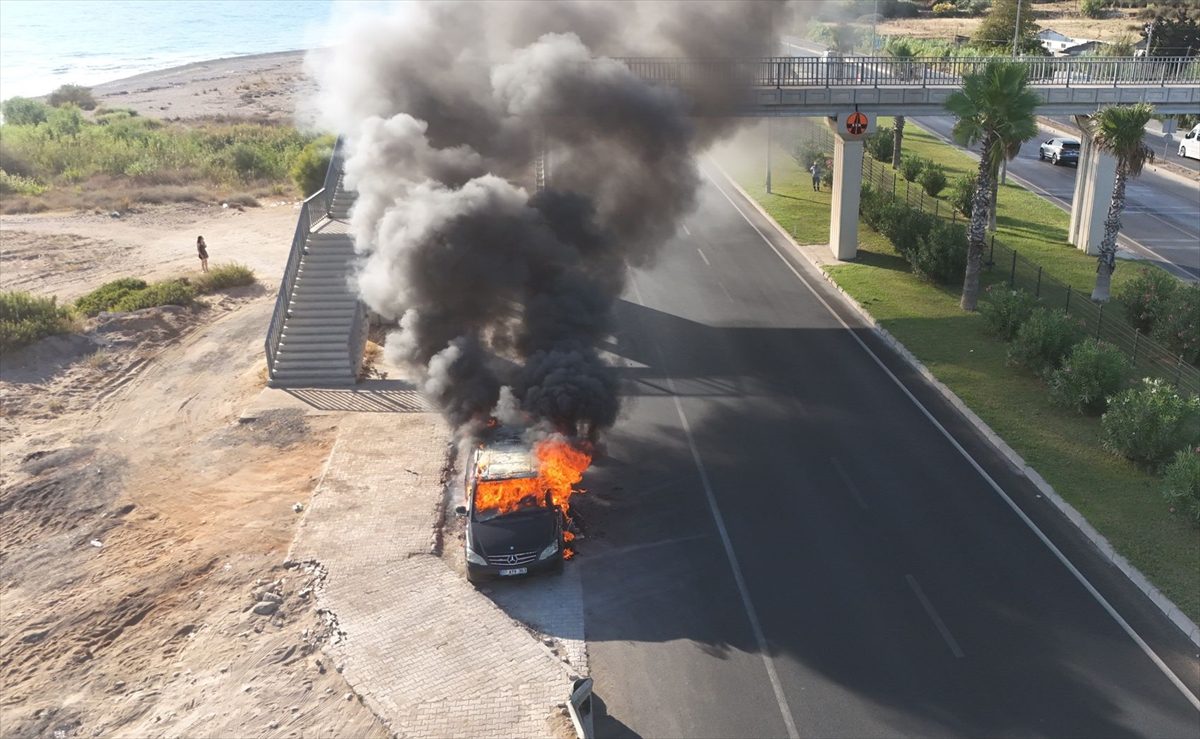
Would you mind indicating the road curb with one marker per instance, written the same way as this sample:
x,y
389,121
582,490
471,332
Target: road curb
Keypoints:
x,y
1132,573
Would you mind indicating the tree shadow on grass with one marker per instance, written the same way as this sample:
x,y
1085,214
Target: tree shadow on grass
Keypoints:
x,y
1049,234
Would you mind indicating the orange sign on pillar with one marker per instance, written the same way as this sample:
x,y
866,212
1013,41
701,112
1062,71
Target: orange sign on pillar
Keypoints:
x,y
856,123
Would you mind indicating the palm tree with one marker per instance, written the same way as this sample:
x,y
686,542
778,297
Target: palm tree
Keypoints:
x,y
996,109
1118,130
900,50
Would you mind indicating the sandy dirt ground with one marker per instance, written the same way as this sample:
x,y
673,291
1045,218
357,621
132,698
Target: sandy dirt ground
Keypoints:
x,y
143,528
1061,15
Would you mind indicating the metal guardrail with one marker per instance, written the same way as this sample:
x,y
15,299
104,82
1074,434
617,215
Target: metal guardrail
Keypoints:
x,y
876,71
314,208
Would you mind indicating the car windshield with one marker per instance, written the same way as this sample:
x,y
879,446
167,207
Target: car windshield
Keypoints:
x,y
1070,146
496,498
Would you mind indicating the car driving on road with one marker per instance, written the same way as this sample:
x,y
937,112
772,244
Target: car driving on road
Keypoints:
x,y
513,526
1060,151
1189,145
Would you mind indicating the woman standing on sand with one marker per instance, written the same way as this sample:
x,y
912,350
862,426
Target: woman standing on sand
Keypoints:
x,y
202,250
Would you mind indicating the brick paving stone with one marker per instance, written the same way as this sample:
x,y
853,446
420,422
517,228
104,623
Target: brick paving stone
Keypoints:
x,y
430,654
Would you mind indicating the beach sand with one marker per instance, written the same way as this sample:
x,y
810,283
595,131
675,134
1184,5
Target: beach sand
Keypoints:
x,y
266,86
142,520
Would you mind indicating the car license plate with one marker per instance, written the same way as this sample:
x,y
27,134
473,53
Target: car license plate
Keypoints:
x,y
514,571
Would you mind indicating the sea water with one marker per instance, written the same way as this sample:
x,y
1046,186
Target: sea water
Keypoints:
x,y
48,43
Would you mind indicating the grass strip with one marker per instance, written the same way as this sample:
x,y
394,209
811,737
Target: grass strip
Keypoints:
x,y
1121,500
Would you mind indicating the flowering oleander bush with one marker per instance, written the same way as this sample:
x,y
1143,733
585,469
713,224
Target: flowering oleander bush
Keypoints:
x,y
1149,421
1092,372
1147,296
1004,309
1181,483
1043,340
1178,325
941,255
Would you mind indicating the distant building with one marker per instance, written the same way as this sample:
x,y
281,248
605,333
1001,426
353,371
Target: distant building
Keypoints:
x,y
1087,47
1060,44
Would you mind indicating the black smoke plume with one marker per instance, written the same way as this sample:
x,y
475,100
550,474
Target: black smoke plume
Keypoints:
x,y
446,107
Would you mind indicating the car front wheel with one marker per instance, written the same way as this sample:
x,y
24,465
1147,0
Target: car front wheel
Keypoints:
x,y
1041,155
1054,160
1183,152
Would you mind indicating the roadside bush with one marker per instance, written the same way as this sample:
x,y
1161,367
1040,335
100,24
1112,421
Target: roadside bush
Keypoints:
x,y
804,153
308,171
945,9
1043,340
1149,421
827,174
941,255
74,95
20,111
107,295
904,226
879,144
911,166
1181,483
222,276
25,318
1147,296
1178,326
170,292
962,195
1005,310
1092,372
933,179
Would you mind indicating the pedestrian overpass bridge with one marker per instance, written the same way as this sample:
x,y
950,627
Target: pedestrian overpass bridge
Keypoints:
x,y
817,86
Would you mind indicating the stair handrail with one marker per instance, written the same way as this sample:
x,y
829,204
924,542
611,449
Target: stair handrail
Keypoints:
x,y
322,201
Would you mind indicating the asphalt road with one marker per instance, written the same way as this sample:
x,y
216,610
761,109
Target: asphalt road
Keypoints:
x,y
780,542
1162,149
1161,221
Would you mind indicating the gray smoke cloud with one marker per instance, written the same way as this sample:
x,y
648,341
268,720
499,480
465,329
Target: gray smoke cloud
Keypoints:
x,y
500,290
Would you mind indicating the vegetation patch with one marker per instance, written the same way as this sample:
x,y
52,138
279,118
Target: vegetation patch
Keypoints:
x,y
108,295
223,276
25,318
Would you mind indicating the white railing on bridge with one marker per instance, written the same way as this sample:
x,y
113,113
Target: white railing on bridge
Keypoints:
x,y
869,71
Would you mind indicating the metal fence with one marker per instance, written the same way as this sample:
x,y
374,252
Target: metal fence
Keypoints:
x,y
314,208
876,71
1004,266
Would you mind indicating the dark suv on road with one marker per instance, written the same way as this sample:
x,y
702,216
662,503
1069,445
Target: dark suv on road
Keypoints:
x,y
1060,151
513,526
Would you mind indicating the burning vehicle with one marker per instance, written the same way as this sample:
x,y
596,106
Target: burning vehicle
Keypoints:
x,y
517,509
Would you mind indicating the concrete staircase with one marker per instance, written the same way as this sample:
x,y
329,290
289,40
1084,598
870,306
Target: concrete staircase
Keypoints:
x,y
324,326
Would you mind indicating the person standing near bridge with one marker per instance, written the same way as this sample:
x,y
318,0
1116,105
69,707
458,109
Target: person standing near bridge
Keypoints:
x,y
815,169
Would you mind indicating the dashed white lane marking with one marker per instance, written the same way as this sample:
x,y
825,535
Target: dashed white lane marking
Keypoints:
x,y
685,229
751,614
854,493
1079,576
933,615
701,253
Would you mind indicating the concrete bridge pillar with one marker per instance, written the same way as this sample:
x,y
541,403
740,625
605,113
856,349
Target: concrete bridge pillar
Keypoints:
x,y
1093,190
847,188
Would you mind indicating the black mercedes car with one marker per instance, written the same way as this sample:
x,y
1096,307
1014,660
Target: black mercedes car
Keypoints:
x,y
513,527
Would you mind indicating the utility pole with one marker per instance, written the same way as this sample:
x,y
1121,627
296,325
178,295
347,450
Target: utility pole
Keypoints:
x,y
1017,29
874,20
768,155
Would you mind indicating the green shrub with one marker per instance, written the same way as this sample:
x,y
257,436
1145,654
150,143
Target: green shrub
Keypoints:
x,y
25,318
945,9
962,195
941,255
1093,8
1149,421
804,153
904,226
1147,296
879,144
77,95
973,7
170,292
308,171
224,276
933,179
20,111
911,166
65,122
1092,373
1181,483
1043,340
1178,326
107,295
827,175
13,184
1005,310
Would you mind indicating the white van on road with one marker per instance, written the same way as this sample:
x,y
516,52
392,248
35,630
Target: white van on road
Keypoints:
x,y
1189,145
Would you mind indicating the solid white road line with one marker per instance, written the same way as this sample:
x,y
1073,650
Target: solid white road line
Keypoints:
x,y
1108,607
743,591
849,483
933,615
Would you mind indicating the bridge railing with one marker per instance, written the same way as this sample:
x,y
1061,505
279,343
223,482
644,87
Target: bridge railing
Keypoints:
x,y
859,71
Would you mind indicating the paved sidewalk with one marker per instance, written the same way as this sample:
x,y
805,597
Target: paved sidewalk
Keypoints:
x,y
430,655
